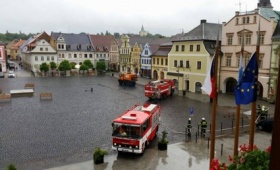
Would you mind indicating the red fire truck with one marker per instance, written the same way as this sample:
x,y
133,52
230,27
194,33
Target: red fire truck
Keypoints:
x,y
159,89
136,128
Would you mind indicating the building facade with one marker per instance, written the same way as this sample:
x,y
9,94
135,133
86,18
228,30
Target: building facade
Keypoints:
x,y
191,56
244,27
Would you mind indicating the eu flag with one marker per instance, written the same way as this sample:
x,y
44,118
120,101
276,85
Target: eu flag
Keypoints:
x,y
246,89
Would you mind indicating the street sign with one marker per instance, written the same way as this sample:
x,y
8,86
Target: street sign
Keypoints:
x,y
191,111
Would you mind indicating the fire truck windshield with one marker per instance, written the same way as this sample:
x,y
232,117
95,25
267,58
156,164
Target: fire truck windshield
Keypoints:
x,y
126,131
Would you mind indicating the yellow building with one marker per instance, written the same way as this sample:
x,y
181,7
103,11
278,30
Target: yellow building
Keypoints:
x,y
160,61
191,56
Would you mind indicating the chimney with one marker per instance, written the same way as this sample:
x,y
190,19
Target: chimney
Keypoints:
x,y
203,21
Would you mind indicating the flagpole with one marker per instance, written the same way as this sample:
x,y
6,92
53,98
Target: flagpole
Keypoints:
x,y
238,108
214,104
254,105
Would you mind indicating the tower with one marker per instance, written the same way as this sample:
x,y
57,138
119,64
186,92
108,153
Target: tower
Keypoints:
x,y
264,4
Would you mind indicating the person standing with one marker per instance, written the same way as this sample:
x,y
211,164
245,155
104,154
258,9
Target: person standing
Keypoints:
x,y
203,124
189,127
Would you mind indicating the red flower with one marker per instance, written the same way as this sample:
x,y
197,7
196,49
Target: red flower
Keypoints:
x,y
268,149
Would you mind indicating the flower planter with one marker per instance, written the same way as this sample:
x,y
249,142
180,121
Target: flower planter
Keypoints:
x,y
162,146
99,160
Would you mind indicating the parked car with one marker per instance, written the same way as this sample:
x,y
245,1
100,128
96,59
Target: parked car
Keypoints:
x,y
265,125
11,74
2,75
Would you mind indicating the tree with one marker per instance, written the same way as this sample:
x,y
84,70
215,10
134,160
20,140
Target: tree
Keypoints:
x,y
73,65
100,66
88,63
64,65
83,67
44,67
53,65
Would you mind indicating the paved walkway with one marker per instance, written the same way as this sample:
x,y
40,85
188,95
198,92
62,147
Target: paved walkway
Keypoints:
x,y
192,154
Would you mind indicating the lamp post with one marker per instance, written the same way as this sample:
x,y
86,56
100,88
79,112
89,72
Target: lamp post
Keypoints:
x,y
178,71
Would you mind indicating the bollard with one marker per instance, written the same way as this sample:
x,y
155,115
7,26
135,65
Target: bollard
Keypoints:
x,y
208,142
222,145
221,127
198,129
232,124
195,137
242,122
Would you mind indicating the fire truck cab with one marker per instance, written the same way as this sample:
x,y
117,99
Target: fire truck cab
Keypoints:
x,y
136,128
159,89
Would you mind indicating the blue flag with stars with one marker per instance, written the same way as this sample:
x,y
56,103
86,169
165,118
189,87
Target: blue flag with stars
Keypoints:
x,y
246,89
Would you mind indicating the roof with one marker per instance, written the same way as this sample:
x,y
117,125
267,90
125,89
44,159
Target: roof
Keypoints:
x,y
141,41
127,118
74,40
204,31
211,47
268,13
102,41
276,33
163,50
17,45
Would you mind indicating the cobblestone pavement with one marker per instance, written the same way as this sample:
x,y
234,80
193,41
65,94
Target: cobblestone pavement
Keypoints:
x,y
39,134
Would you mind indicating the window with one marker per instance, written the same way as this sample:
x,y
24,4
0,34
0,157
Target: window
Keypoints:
x,y
243,20
69,55
85,55
80,56
197,47
90,55
75,55
166,62
255,19
237,21
188,64
175,63
248,20
146,52
228,60
198,65
240,39
36,58
177,47
260,63
157,61
41,49
248,39
154,61
229,39
62,55
46,49
97,55
261,38
42,58
52,58
191,47
162,61
181,63
48,58
183,47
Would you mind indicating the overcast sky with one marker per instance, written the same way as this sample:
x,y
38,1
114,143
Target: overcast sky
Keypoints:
x,y
165,17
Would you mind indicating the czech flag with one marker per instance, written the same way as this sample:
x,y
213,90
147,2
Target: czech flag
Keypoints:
x,y
209,86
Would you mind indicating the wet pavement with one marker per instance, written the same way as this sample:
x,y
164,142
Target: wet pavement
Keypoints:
x,y
61,133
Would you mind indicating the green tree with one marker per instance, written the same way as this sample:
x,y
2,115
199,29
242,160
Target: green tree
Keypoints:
x,y
64,66
83,67
53,65
44,67
88,63
100,66
73,65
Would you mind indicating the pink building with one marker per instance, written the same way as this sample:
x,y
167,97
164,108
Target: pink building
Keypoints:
x,y
3,57
246,25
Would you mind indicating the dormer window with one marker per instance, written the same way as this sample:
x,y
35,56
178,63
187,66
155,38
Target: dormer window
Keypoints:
x,y
68,47
97,48
79,47
89,47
